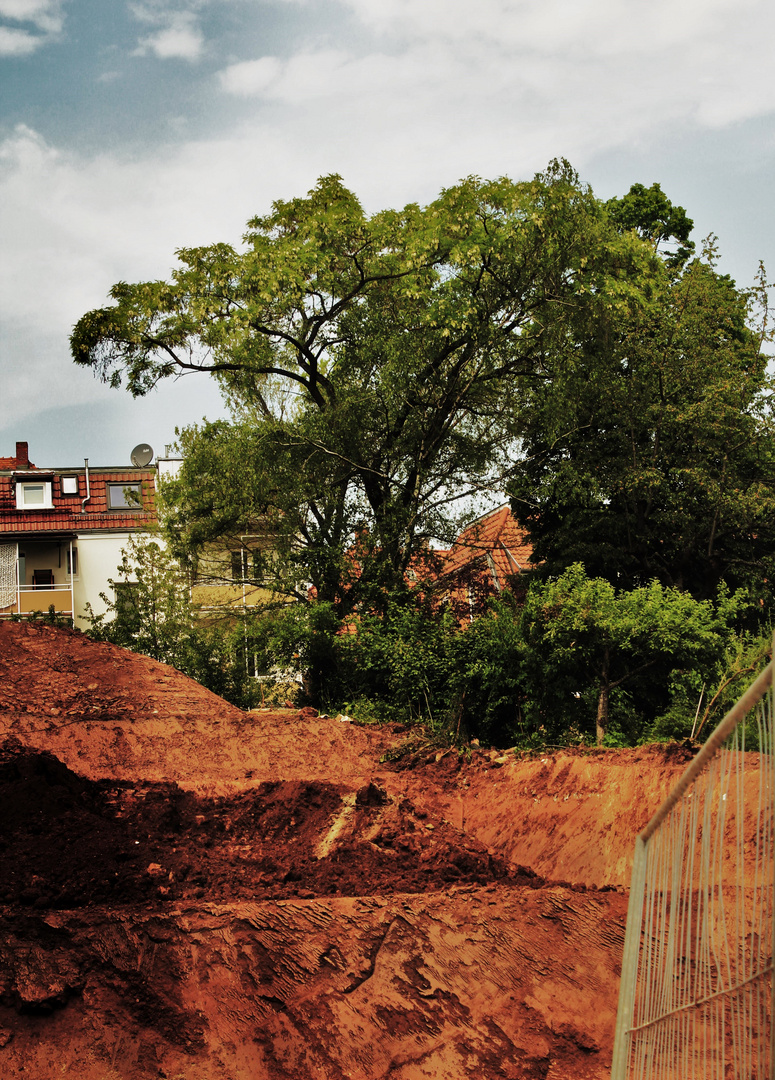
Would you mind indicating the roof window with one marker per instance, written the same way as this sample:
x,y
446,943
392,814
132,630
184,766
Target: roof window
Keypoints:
x,y
125,496
33,495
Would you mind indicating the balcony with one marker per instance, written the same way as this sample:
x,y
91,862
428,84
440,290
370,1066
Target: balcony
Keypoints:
x,y
31,598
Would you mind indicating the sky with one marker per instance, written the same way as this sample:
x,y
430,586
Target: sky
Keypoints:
x,y
131,129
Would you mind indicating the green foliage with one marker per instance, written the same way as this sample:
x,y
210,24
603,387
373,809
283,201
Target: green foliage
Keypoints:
x,y
404,658
580,661
373,363
585,636
488,678
745,656
50,617
649,213
652,453
383,369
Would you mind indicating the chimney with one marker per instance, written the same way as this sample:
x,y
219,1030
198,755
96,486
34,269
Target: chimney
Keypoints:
x,y
22,455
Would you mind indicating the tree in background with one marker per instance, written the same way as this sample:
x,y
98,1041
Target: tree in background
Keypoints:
x,y
651,453
649,213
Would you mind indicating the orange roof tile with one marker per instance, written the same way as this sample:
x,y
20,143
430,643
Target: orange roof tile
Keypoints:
x,y
496,535
68,515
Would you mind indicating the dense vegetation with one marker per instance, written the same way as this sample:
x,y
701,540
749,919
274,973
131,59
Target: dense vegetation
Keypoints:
x,y
386,372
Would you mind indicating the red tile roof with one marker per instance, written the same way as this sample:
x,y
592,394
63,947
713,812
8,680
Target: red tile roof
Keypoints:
x,y
67,515
495,540
486,558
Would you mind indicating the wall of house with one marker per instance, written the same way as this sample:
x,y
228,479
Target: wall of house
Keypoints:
x,y
98,560
224,595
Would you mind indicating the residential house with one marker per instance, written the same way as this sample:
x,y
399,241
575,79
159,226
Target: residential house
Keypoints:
x,y
489,556
62,531
228,575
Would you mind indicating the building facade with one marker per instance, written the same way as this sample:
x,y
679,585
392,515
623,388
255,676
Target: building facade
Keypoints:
x,y
62,531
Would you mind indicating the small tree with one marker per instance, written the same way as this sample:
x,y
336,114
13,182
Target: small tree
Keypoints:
x,y
150,609
582,628
150,612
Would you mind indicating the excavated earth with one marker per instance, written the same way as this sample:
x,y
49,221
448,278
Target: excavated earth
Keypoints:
x,y
193,892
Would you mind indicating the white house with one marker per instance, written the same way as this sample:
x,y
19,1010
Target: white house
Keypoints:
x,y
62,530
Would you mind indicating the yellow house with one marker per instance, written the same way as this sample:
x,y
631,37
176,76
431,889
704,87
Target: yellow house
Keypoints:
x,y
227,575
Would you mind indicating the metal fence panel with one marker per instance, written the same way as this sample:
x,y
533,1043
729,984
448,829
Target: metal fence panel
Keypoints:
x,y
697,976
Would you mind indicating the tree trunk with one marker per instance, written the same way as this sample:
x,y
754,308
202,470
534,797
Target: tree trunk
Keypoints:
x,y
602,714
603,695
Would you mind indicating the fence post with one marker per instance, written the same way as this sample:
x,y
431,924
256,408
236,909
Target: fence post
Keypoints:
x,y
629,962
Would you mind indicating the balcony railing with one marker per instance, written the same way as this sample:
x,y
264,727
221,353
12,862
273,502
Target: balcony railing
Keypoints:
x,y
30,598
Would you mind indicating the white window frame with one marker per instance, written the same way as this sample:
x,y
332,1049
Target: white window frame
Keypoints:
x,y
130,485
22,485
72,563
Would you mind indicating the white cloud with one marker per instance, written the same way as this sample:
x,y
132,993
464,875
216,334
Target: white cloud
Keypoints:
x,y
453,88
72,226
45,17
18,42
598,26
45,14
178,36
620,68
252,77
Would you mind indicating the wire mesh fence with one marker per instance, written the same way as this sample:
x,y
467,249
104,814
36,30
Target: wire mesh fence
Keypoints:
x,y
696,994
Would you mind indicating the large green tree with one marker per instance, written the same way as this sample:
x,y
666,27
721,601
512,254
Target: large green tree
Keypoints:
x,y
374,363
651,454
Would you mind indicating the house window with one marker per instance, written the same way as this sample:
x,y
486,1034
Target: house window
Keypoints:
x,y
69,485
72,562
124,497
34,495
239,567
246,565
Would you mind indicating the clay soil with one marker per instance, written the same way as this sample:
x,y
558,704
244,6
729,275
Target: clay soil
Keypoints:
x,y
192,892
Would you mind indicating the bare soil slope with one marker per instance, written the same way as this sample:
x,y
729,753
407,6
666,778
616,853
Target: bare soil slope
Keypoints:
x,y
193,892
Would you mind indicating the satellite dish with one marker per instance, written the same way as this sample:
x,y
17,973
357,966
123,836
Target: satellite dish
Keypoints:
x,y
142,455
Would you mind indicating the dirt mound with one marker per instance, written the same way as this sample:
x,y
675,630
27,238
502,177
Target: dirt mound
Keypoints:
x,y
196,893
111,714
56,672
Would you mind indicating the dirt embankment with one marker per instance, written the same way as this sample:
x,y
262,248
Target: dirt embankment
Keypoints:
x,y
196,893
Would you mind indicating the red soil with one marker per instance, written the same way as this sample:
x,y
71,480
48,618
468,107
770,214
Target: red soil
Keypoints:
x,y
196,893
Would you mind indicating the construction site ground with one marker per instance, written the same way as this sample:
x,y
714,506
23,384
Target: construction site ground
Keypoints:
x,y
192,892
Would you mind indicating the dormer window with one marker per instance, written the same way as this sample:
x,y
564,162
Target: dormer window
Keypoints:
x,y
33,495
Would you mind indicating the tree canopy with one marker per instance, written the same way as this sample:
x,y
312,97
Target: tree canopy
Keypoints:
x,y
650,213
374,363
652,454
384,370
